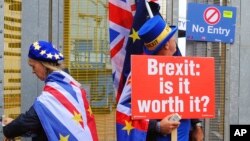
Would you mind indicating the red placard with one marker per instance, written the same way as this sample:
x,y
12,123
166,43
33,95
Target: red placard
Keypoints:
x,y
162,85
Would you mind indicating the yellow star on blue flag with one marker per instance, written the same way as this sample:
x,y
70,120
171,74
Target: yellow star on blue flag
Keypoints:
x,y
64,138
128,126
134,35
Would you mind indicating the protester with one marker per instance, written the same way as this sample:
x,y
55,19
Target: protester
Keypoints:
x,y
62,111
159,40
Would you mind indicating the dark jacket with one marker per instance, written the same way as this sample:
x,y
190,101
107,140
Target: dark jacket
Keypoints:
x,y
152,132
27,125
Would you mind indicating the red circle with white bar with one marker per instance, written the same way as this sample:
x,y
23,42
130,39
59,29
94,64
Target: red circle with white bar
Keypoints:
x,y
212,15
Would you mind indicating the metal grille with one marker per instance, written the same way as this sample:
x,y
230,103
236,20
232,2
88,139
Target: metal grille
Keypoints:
x,y
12,57
216,130
218,51
86,47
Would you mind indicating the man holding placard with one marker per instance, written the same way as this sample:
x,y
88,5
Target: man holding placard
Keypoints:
x,y
158,40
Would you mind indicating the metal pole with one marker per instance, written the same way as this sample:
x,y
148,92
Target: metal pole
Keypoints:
x,y
172,12
1,61
50,20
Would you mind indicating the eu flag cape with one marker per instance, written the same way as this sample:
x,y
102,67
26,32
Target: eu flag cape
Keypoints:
x,y
64,111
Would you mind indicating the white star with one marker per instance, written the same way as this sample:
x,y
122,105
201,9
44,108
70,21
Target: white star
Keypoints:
x,y
37,47
56,56
49,55
43,52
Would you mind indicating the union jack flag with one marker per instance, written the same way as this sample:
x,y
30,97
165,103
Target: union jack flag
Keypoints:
x,y
125,19
120,23
64,111
124,39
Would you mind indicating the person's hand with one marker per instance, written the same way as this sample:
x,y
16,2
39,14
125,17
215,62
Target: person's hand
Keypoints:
x,y
167,126
197,134
7,120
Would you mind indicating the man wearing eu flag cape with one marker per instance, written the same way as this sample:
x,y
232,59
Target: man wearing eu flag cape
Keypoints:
x,y
153,37
62,111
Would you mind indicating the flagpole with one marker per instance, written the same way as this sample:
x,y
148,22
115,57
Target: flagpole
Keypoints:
x,y
149,9
174,135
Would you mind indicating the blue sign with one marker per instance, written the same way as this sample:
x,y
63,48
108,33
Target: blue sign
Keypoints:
x,y
211,23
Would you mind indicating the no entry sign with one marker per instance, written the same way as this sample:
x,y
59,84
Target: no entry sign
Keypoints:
x,y
211,23
212,15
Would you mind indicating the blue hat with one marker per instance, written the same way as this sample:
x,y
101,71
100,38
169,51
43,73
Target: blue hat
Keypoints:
x,y
44,51
155,33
